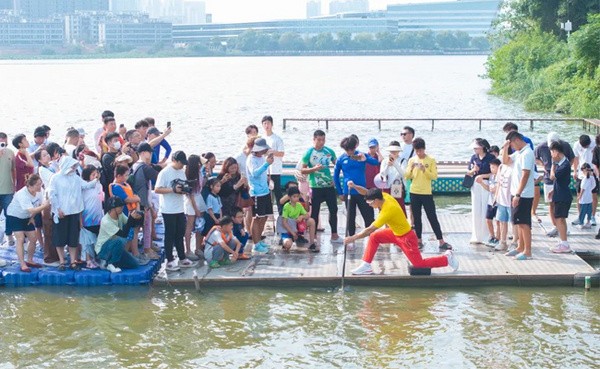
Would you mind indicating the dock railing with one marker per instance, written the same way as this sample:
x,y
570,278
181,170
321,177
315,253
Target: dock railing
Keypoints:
x,y
587,124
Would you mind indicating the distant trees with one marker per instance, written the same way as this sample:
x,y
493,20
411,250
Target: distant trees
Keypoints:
x,y
255,41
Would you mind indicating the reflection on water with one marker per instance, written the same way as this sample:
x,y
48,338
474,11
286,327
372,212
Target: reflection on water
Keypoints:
x,y
383,327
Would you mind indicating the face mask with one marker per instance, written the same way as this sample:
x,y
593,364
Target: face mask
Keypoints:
x,y
117,145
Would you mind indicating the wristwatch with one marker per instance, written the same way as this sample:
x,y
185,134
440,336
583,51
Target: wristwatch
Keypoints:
x,y
518,195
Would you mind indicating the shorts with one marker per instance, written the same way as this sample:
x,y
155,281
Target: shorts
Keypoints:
x,y
503,213
521,214
491,212
38,220
200,204
14,224
561,209
263,206
66,232
547,189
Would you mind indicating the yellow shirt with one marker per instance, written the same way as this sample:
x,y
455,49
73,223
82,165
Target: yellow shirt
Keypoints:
x,y
421,181
391,214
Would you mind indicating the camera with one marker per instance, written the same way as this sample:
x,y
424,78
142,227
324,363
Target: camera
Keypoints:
x,y
186,185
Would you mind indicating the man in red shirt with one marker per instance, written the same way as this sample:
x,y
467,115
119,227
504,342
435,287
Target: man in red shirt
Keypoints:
x,y
23,161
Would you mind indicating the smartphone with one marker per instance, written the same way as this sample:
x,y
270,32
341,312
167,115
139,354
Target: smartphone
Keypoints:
x,y
355,157
168,124
392,159
271,155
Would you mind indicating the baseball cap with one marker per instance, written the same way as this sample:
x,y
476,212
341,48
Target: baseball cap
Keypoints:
x,y
180,157
145,147
153,131
81,131
39,132
260,144
373,142
552,137
114,202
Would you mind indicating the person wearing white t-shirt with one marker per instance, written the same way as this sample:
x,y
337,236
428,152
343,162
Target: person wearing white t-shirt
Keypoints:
x,y
276,144
584,197
408,134
522,191
584,150
173,210
72,141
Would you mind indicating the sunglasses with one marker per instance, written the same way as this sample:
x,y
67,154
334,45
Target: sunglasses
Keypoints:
x,y
404,133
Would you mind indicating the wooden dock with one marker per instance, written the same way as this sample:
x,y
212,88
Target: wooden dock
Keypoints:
x,y
479,265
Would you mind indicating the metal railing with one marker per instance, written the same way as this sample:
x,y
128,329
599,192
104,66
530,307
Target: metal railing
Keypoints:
x,y
587,124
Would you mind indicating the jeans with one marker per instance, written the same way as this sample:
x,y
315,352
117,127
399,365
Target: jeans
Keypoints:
x,y
585,209
424,201
243,238
113,252
329,195
174,232
366,211
5,200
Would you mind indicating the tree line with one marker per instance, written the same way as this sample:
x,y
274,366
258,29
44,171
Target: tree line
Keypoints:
x,y
252,40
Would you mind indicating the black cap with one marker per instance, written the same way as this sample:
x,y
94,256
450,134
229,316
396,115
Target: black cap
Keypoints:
x,y
39,132
114,202
153,131
180,157
144,146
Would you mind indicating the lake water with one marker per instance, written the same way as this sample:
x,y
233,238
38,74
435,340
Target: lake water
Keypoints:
x,y
210,101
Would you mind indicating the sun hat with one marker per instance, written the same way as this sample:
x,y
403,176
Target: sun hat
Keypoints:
x,y
393,148
260,144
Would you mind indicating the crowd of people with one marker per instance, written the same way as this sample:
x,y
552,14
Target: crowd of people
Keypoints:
x,y
506,189
97,198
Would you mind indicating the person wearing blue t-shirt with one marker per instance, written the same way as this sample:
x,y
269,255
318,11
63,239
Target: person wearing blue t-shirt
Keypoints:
x,y
353,165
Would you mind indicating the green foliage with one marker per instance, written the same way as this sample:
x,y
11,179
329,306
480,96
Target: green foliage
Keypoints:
x,y
480,43
406,40
425,40
48,51
291,41
586,44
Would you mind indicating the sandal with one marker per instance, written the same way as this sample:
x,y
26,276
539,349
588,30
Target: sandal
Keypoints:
x,y
33,265
62,267
25,270
75,266
445,246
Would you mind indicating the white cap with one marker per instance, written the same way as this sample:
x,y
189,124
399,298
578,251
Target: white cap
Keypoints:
x,y
552,137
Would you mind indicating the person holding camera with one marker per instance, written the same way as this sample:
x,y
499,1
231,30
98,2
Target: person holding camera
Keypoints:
x,y
170,185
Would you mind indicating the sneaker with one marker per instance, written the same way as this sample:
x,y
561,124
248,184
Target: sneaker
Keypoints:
x,y
259,248
190,255
186,263
576,222
586,226
11,242
452,261
492,242
553,232
337,240
52,265
172,266
594,221
501,246
113,269
561,248
214,264
514,245
363,269
92,265
200,254
142,259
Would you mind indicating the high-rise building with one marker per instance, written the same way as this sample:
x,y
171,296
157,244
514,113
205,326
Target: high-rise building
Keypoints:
x,y
124,5
6,4
348,6
194,12
313,8
47,8
152,7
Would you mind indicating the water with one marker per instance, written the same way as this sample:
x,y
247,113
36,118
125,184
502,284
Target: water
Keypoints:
x,y
308,328
211,100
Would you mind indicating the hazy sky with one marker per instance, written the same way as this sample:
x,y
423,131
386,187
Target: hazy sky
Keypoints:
x,y
258,10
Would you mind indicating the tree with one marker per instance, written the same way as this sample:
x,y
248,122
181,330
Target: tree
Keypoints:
x,y
364,41
586,45
291,41
462,39
405,40
446,40
425,40
247,41
385,40
324,41
344,40
480,43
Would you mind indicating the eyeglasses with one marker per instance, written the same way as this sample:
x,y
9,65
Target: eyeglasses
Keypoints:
x,y
404,133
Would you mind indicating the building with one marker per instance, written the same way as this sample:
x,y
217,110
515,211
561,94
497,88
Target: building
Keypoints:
x,y
194,12
83,26
18,32
313,9
348,6
135,33
306,27
124,5
472,16
6,4
35,9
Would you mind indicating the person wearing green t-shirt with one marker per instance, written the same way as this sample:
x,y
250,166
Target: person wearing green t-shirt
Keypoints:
x,y
295,220
315,163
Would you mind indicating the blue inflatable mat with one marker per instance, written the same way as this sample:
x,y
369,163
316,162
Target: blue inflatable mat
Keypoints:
x,y
142,275
52,277
13,276
92,277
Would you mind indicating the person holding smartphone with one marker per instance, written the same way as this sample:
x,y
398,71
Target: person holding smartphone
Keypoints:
x,y
352,164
